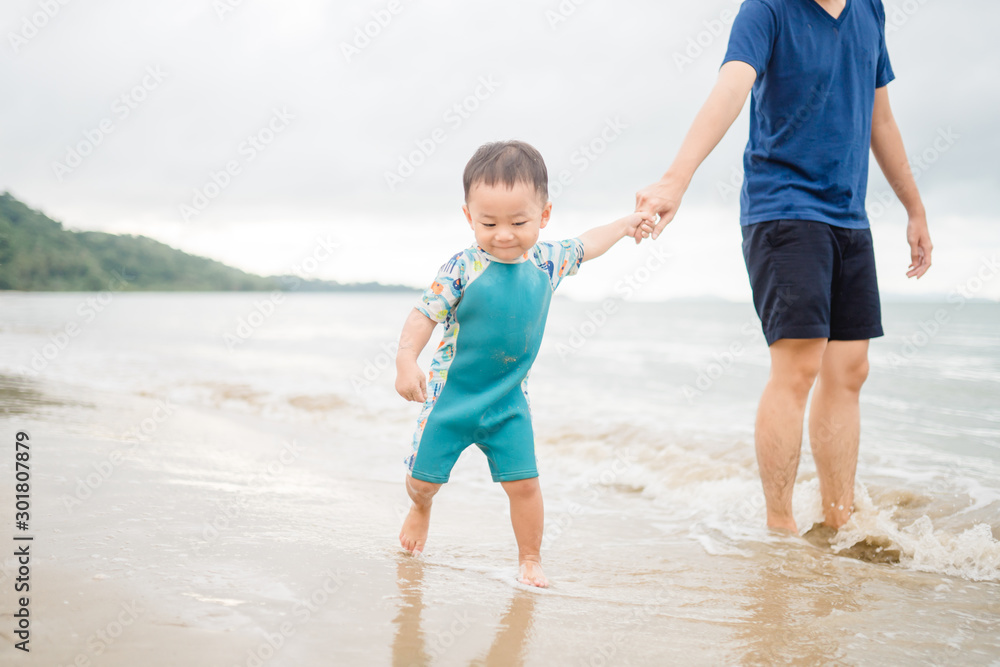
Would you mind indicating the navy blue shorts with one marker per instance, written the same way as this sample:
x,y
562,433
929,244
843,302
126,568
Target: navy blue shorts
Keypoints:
x,y
813,280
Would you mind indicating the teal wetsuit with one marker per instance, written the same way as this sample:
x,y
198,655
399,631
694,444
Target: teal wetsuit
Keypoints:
x,y
494,314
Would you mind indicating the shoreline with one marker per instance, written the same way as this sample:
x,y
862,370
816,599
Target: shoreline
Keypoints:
x,y
258,525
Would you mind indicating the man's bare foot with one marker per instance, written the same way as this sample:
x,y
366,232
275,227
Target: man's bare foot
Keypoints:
x,y
413,536
820,535
530,574
783,525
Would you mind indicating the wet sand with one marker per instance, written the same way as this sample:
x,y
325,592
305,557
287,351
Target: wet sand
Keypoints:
x,y
224,538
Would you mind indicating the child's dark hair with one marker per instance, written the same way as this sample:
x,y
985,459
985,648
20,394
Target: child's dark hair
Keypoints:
x,y
507,162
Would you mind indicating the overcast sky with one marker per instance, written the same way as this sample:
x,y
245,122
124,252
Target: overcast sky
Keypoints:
x,y
126,115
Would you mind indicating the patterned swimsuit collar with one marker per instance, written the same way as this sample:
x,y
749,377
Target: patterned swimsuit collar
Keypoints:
x,y
494,258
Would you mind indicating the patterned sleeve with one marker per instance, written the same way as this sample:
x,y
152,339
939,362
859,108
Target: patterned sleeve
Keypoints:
x,y
440,298
559,259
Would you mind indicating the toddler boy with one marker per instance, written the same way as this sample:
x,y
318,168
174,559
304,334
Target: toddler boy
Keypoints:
x,y
493,299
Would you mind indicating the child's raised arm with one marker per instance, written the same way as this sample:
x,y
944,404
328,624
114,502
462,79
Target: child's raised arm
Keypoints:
x,y
410,380
596,241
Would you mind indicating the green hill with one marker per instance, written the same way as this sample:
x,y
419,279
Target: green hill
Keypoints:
x,y
37,254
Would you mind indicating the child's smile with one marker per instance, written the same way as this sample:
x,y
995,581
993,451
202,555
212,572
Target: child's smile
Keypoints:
x,y
506,221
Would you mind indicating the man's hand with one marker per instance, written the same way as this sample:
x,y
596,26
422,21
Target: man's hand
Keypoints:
x,y
662,198
410,382
598,240
920,246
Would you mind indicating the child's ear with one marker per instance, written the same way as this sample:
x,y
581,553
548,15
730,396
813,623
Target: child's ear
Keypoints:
x,y
546,212
468,216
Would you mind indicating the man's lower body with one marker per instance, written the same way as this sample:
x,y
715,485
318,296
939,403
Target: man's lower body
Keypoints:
x,y
816,293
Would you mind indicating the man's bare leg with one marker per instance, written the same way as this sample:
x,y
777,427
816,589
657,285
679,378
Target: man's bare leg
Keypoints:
x,y
835,426
795,364
527,516
413,536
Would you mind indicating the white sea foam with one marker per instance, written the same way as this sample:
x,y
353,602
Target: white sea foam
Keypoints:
x,y
972,553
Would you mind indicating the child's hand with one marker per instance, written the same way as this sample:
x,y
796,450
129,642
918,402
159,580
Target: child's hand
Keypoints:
x,y
637,225
411,383
596,241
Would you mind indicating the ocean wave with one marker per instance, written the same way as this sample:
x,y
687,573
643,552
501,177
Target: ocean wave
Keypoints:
x,y
971,553
710,492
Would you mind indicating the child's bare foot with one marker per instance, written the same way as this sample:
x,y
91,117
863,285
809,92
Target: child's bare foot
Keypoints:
x,y
530,574
413,536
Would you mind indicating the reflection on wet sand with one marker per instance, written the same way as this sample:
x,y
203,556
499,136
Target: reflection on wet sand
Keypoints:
x,y
511,640
409,648
786,605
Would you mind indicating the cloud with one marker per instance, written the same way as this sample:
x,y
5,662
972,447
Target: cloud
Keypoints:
x,y
374,85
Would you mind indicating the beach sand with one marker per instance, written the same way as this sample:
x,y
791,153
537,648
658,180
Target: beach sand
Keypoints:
x,y
192,505
217,540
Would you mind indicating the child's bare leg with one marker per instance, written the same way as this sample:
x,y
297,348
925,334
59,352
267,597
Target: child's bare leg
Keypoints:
x,y
413,536
527,515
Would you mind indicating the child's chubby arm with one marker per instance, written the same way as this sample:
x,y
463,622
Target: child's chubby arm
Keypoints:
x,y
411,383
598,240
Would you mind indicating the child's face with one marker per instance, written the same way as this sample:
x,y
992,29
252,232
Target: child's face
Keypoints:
x,y
506,221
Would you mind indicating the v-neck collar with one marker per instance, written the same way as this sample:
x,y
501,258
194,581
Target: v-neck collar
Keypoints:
x,y
829,17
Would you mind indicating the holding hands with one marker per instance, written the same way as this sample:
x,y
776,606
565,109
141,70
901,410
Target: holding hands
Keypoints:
x,y
662,199
598,240
638,225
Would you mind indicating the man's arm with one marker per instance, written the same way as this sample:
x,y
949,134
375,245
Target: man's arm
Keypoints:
x,y
410,381
598,240
711,124
887,145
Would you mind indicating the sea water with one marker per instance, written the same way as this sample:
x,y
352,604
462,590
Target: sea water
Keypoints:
x,y
643,416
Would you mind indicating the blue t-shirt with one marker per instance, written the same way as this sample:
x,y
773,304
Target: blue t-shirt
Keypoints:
x,y
811,108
